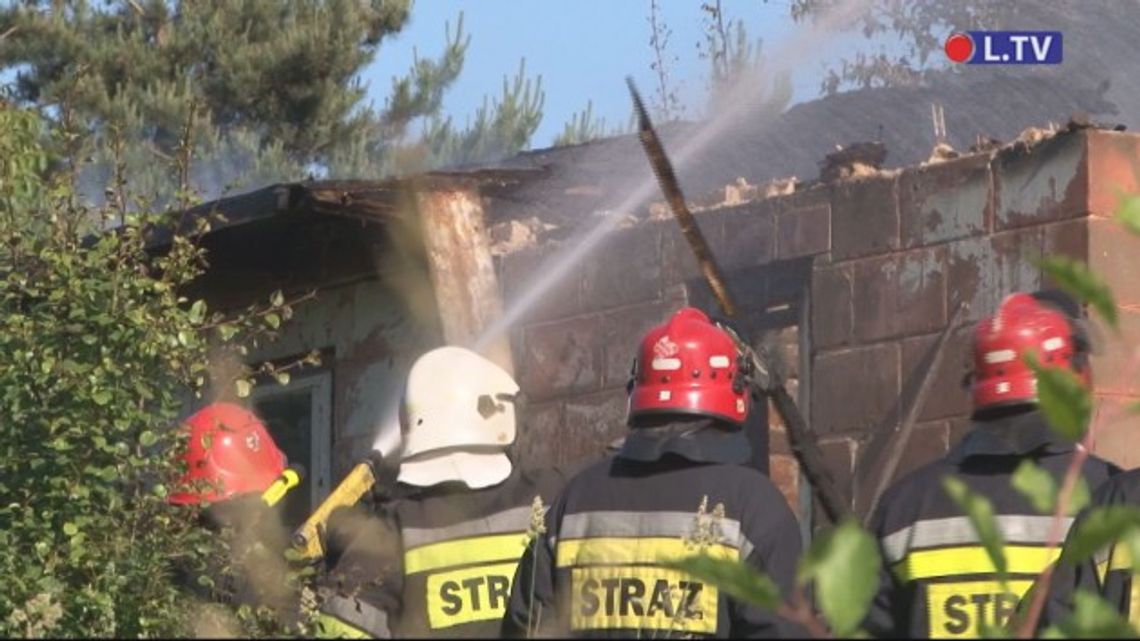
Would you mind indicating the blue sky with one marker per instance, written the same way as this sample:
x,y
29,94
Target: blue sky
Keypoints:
x,y
582,48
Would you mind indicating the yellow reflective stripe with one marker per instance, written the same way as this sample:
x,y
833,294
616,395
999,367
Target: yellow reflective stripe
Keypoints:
x,y
449,554
641,598
330,627
469,595
957,561
958,610
629,551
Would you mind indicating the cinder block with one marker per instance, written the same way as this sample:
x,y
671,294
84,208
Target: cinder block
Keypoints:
x,y
592,422
947,395
1117,439
900,295
832,320
1114,169
521,270
803,232
744,235
985,270
945,201
839,459
1116,368
1068,238
1114,254
854,389
625,269
621,332
1049,182
864,217
561,357
785,474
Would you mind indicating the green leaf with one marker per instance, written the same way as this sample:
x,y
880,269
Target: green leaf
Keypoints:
x,y
1063,399
1129,214
1037,485
147,438
69,529
198,311
101,397
734,578
277,299
981,514
1076,278
227,331
1094,618
1099,528
244,387
273,320
1131,542
844,563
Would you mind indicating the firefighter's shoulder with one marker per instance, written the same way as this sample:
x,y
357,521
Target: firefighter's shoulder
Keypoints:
x,y
913,492
1122,487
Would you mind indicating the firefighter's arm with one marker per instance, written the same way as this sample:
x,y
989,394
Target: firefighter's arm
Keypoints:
x,y
886,617
774,534
362,589
532,602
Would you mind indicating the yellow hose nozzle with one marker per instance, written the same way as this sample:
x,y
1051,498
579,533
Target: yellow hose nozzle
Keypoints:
x,y
307,538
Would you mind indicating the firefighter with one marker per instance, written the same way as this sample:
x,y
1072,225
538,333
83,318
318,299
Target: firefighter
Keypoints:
x,y
236,472
937,579
1109,572
437,561
677,485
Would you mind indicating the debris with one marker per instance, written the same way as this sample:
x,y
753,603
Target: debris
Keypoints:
x,y
983,144
941,153
513,235
859,159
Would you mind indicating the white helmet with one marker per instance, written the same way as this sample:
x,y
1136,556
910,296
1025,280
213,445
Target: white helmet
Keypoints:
x,y
457,419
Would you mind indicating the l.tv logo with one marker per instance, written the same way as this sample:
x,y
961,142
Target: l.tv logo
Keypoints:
x,y
1006,47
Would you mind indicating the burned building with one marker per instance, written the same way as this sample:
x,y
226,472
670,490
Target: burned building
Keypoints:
x,y
848,282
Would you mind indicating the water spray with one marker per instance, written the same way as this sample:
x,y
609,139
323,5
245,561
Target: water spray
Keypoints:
x,y
765,378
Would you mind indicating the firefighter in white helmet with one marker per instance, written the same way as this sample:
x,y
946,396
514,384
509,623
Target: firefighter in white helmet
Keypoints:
x,y
438,560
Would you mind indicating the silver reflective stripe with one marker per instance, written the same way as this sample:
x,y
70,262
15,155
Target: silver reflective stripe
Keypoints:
x,y
644,524
359,614
958,530
505,522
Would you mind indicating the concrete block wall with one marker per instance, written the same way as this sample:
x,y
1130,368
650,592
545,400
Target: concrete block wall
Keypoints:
x,y
884,259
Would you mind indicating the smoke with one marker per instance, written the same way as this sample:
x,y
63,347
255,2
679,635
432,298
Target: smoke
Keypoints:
x,y
797,50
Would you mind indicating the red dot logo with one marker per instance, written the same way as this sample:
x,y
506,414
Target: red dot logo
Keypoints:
x,y
959,47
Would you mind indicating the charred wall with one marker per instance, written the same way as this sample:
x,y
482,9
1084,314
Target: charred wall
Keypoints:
x,y
853,281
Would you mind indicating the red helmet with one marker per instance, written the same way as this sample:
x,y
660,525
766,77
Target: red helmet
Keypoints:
x,y
1021,325
230,452
689,365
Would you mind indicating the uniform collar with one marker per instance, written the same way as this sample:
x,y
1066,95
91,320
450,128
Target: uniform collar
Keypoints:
x,y
1015,435
700,441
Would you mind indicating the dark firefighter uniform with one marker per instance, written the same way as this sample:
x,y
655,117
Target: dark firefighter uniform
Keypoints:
x,y
677,486
937,580
439,559
440,562
1109,572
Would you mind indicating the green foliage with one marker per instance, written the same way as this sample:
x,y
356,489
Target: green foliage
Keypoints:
x,y
1129,214
843,563
735,579
981,514
100,351
1063,398
1076,278
1092,618
1039,486
1097,529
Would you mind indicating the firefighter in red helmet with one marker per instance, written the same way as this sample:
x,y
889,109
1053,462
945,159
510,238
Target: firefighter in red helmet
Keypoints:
x,y
236,474
937,579
594,572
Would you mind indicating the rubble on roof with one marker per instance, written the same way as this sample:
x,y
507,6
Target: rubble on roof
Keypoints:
x,y
855,160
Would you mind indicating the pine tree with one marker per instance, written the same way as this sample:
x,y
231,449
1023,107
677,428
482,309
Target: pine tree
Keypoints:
x,y
261,89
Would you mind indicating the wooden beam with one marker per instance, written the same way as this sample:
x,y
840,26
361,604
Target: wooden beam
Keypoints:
x,y
461,267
